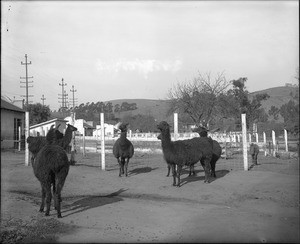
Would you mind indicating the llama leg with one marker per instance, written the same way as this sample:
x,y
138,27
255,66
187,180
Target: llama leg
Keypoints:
x,y
213,167
126,166
48,198
179,168
43,199
193,167
192,170
255,158
207,169
32,160
57,198
174,174
120,167
60,179
54,191
169,168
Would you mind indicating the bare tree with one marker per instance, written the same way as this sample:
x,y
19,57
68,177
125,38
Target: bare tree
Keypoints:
x,y
198,99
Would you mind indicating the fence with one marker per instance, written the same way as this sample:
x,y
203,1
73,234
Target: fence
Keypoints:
x,y
231,143
234,144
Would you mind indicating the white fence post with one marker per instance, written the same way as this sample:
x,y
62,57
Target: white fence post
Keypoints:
x,y
26,136
274,143
83,142
102,141
19,144
286,140
72,159
244,131
175,126
265,142
256,137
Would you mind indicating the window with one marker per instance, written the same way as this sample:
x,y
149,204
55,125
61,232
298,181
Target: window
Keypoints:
x,y
17,124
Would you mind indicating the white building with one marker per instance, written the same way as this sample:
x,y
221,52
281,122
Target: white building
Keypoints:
x,y
82,125
43,128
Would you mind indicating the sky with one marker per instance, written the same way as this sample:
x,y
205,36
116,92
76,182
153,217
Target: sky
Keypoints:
x,y
140,49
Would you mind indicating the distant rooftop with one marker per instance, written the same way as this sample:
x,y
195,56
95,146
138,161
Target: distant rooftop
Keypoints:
x,y
9,106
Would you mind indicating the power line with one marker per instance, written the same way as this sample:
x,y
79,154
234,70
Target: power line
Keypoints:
x,y
73,100
26,82
43,99
63,96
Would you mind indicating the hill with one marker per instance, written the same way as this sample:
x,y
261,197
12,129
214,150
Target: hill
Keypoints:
x,y
278,96
158,108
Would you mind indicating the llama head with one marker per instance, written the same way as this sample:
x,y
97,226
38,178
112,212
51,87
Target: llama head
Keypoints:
x,y
51,136
71,127
202,131
163,125
159,136
123,127
199,129
58,134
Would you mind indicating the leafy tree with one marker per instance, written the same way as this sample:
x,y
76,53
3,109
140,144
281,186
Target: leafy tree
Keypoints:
x,y
143,123
198,99
274,111
38,113
290,114
239,101
117,108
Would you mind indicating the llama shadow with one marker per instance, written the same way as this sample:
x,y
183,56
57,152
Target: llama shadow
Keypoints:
x,y
142,170
192,178
86,165
90,202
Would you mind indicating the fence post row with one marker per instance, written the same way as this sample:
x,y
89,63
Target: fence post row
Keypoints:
x,y
175,126
102,141
26,136
244,132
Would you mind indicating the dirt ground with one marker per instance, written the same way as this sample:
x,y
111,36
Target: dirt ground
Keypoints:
x,y
259,205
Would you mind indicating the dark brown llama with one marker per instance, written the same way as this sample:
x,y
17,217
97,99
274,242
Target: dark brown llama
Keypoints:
x,y
184,152
123,149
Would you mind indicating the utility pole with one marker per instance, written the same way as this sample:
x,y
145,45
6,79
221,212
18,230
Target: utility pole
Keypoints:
x,y
26,82
63,95
43,99
73,99
72,160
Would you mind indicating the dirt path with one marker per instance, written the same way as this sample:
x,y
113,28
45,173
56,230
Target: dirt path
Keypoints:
x,y
260,205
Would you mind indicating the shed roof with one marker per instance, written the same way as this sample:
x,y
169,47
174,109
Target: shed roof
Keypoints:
x,y
47,122
9,106
87,126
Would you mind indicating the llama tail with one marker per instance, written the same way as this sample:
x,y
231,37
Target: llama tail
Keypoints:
x,y
122,164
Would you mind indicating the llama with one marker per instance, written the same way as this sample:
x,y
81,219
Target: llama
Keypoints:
x,y
65,141
217,150
254,150
123,149
35,144
169,166
184,152
51,167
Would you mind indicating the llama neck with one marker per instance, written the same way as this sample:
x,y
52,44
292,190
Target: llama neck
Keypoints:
x,y
123,136
68,136
166,139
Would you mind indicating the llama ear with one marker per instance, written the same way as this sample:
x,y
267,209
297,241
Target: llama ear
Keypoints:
x,y
118,125
51,127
